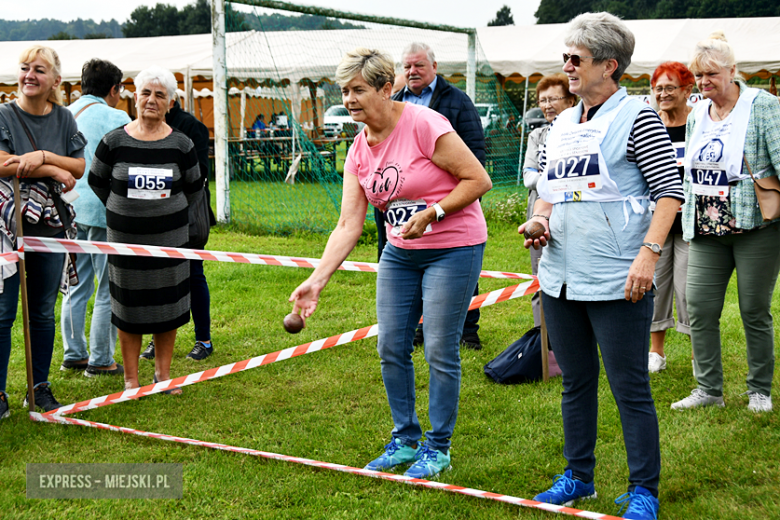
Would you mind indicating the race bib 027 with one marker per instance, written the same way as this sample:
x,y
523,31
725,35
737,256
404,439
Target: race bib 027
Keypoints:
x,y
149,183
574,173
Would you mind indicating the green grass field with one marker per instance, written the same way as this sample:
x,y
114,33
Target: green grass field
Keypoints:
x,y
331,406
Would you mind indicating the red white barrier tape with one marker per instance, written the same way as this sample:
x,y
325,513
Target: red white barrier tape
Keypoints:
x,y
8,258
59,245
331,466
482,300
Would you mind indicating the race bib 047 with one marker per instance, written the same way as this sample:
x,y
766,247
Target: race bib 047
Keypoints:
x,y
709,179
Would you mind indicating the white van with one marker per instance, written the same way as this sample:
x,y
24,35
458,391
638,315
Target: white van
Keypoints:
x,y
334,120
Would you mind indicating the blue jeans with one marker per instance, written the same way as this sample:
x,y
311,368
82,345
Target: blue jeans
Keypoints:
x,y
437,284
200,301
73,315
622,330
44,272
471,325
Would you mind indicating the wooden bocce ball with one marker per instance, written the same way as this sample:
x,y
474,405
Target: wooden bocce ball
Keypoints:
x,y
533,230
293,323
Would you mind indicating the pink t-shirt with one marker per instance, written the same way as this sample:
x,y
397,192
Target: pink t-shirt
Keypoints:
x,y
399,178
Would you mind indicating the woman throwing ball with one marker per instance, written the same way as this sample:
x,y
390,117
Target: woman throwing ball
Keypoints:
x,y
409,163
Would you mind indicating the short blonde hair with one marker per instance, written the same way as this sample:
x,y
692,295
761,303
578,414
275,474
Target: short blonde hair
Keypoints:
x,y
52,59
376,67
714,52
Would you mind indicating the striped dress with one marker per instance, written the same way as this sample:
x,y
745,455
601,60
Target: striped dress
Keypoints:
x,y
146,187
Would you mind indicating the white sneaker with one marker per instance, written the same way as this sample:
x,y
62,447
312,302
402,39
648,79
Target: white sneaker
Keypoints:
x,y
759,402
699,398
655,362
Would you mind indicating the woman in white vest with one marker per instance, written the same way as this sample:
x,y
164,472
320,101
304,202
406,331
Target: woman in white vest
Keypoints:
x,y
604,160
672,84
732,127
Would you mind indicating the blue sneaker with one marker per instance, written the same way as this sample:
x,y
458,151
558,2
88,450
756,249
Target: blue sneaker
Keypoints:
x,y
642,505
396,453
429,463
565,491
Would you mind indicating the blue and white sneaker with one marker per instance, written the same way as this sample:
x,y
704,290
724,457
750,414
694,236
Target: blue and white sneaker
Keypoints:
x,y
396,453
641,504
566,490
429,463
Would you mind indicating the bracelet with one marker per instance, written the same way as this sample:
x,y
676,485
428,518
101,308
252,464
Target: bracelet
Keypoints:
x,y
545,217
44,157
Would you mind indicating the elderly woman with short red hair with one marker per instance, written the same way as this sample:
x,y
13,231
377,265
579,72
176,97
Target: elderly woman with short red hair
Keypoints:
x,y
672,84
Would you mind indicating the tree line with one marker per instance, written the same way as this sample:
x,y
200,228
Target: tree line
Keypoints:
x,y
163,20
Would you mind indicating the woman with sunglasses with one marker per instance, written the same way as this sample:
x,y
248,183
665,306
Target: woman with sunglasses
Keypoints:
x,y
603,162
672,84
732,133
552,93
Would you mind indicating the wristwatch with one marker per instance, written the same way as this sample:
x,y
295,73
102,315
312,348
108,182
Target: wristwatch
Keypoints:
x,y
655,248
439,212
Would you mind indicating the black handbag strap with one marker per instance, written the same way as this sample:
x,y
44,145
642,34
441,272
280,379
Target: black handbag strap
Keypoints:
x,y
58,203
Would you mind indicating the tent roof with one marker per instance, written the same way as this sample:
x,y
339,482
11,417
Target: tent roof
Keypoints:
x,y
315,54
538,48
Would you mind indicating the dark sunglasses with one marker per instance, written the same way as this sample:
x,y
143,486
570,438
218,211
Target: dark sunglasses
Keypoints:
x,y
575,58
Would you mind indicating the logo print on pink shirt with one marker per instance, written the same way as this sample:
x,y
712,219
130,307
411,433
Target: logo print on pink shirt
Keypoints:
x,y
383,183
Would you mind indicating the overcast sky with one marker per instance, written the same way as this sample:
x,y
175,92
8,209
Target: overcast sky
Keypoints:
x,y
461,13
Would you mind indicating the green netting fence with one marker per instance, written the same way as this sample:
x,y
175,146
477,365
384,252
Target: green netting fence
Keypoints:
x,y
287,79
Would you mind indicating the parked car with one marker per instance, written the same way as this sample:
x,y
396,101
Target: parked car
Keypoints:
x,y
534,119
334,120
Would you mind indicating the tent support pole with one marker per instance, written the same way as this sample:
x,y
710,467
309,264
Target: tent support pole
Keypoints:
x,y
522,133
220,110
188,92
471,68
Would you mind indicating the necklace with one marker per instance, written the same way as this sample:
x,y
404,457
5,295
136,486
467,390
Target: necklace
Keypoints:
x,y
721,118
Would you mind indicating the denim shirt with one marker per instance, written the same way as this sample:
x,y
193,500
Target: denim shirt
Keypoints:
x,y
94,122
591,245
762,150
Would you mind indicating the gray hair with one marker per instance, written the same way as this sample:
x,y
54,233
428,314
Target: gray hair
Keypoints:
x,y
376,67
714,52
159,75
606,36
415,47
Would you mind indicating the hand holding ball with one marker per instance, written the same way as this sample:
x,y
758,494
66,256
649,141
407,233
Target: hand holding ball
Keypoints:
x,y
533,230
293,323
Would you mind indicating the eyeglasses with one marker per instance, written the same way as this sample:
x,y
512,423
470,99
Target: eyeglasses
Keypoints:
x,y
575,58
669,89
120,87
550,101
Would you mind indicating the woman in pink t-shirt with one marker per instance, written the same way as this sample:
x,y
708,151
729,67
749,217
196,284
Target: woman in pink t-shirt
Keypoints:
x,y
409,163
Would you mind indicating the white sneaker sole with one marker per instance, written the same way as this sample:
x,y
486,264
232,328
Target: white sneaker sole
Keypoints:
x,y
572,502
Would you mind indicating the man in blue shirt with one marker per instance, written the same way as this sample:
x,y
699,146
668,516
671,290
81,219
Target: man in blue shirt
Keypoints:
x,y
101,88
425,87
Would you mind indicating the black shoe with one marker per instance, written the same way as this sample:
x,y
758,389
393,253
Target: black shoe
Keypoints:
x,y
200,351
44,399
73,365
149,352
470,340
418,338
4,411
93,371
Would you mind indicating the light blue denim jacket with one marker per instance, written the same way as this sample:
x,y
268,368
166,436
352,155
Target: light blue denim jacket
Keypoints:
x,y
94,123
591,248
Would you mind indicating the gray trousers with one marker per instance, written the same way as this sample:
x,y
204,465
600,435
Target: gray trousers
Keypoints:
x,y
756,257
671,273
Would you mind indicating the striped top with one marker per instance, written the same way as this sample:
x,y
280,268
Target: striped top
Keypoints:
x,y
109,178
650,149
150,207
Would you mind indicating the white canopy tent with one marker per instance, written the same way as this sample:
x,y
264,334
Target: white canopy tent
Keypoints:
x,y
537,49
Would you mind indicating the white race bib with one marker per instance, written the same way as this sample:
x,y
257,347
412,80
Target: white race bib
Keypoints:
x,y
575,169
399,211
149,183
709,178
